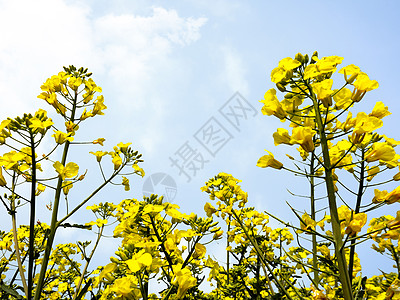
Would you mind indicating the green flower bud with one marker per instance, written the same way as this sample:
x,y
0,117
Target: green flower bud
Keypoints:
x,y
299,57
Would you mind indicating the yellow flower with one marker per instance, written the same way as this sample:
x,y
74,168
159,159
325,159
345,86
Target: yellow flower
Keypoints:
x,y
62,137
393,196
184,279
278,74
324,92
390,141
281,136
269,161
283,70
380,110
328,64
99,155
379,196
350,70
51,98
139,260
307,223
117,161
40,188
324,65
364,124
152,209
343,98
66,186
200,251
123,147
98,106
289,63
71,127
272,106
362,85
74,83
372,172
69,171
138,169
123,287
380,151
355,225
4,131
39,125
108,269
209,209
99,223
85,115
303,136
10,160
99,141
125,183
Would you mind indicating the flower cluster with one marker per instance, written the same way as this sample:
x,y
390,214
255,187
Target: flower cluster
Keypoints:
x,y
331,142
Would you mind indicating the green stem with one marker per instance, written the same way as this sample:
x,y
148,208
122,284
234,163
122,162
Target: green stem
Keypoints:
x,y
53,225
89,197
227,252
16,244
337,235
32,217
357,210
88,261
313,216
142,288
164,250
261,255
396,259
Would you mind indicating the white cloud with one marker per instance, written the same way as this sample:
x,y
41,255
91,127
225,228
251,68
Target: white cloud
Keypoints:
x,y
234,72
36,38
39,37
127,52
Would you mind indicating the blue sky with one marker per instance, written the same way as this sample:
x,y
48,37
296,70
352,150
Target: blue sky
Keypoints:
x,y
167,68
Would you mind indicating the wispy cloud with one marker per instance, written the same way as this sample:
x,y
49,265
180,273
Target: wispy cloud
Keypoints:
x,y
128,52
42,36
234,71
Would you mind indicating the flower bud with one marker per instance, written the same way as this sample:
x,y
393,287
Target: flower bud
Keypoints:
x,y
299,57
315,54
280,87
306,58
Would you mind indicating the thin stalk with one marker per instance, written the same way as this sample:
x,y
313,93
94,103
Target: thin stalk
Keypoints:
x,y
142,288
357,210
261,255
227,252
88,198
164,250
396,259
88,261
32,217
313,216
16,244
337,235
